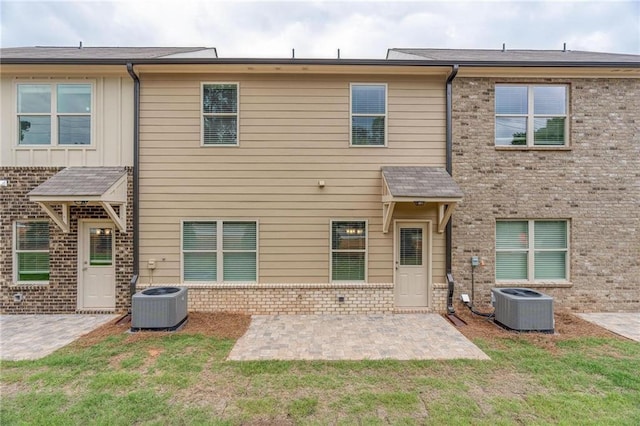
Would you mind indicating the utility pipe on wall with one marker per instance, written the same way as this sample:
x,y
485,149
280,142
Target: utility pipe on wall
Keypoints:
x,y
136,168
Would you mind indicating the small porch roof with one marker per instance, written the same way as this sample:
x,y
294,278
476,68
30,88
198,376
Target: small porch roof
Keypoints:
x,y
103,186
420,184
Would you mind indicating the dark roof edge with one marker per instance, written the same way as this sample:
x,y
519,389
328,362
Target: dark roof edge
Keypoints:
x,y
271,61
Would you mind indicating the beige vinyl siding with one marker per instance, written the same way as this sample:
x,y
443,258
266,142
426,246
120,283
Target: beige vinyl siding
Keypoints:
x,y
294,131
112,144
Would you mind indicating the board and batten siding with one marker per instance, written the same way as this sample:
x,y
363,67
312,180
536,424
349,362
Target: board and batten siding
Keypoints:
x,y
112,120
294,131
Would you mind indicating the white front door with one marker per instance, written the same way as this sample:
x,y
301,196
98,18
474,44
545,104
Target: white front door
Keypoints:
x,y
97,271
412,278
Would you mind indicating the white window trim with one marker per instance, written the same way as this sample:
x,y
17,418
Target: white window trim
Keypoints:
x,y
366,251
530,250
219,251
15,253
54,114
210,114
386,114
530,116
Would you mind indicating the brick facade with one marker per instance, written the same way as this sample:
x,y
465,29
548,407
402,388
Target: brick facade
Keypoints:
x,y
60,295
595,184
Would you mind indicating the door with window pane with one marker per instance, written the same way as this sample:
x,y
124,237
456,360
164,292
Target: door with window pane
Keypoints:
x,y
98,284
412,284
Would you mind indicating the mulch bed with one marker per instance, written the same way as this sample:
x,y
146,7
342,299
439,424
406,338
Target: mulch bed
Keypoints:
x,y
232,326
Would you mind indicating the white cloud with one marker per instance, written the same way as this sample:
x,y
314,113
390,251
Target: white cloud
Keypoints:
x,y
317,29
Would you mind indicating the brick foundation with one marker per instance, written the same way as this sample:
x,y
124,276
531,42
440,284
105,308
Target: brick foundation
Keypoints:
x,y
60,295
289,299
595,184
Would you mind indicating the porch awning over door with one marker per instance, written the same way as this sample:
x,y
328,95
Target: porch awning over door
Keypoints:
x,y
418,184
101,186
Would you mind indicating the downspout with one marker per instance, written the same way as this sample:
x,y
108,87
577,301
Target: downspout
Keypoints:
x,y
449,143
136,176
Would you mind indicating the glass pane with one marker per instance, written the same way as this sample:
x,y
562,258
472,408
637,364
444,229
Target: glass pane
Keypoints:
x,y
511,100
220,130
511,131
549,100
239,236
550,265
200,267
220,98
199,236
34,98
34,130
367,131
100,246
551,234
239,266
548,131
33,266
348,266
410,246
74,98
368,99
32,236
348,235
512,235
511,266
74,130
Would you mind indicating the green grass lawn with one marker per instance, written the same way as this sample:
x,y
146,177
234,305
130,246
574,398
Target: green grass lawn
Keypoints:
x,y
184,379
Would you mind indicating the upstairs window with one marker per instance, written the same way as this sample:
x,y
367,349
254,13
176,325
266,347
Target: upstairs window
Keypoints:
x,y
531,115
348,250
54,114
219,114
368,114
532,250
31,252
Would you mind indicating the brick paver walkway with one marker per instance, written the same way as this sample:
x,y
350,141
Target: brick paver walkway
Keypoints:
x,y
624,324
36,336
353,337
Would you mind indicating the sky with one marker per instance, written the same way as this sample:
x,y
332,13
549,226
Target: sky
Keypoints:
x,y
317,29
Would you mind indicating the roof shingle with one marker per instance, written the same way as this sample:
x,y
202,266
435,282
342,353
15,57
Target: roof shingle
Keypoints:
x,y
420,181
80,181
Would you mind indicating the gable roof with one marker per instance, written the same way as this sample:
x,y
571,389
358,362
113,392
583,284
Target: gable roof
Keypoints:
x,y
506,57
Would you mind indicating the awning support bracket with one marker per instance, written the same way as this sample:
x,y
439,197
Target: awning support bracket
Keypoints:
x,y
445,210
387,213
119,219
61,220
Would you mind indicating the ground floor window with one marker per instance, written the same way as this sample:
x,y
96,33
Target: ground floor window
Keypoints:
x,y
532,250
31,259
215,251
348,250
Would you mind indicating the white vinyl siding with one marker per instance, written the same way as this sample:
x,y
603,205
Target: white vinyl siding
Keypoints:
x,y
54,114
31,252
531,115
532,250
349,250
208,258
220,114
368,114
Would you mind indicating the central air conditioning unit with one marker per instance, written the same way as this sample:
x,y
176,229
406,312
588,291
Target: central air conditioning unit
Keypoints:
x,y
159,308
523,309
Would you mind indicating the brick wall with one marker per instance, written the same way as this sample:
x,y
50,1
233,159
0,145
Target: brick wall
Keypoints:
x,y
60,295
287,299
595,184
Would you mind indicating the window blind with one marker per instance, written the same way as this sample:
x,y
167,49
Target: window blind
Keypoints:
x,y
239,251
348,245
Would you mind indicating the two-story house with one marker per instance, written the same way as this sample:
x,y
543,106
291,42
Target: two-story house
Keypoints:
x,y
324,186
546,148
